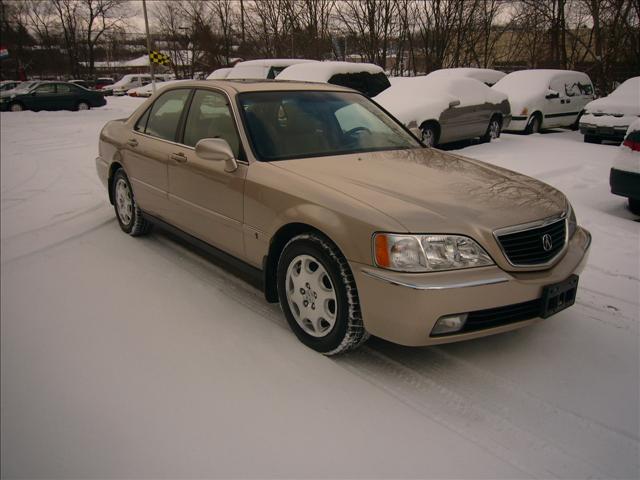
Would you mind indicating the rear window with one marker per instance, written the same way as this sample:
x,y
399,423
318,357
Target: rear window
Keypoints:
x,y
364,82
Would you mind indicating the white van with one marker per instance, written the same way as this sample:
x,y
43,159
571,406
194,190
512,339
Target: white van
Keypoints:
x,y
545,98
487,76
128,82
263,68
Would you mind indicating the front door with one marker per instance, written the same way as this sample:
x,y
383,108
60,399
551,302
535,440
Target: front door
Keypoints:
x,y
43,97
206,201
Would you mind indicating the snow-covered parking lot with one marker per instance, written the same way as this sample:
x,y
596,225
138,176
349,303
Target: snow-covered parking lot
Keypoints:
x,y
138,357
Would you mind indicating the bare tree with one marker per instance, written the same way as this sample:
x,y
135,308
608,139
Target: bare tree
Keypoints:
x,y
100,16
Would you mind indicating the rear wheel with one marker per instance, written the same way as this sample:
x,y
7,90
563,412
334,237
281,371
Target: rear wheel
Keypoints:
x,y
82,106
128,213
592,139
634,205
318,295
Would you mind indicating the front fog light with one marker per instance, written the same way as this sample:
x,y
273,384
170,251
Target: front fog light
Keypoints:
x,y
449,324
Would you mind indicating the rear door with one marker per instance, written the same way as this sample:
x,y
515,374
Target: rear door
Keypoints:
x,y
68,95
147,149
206,201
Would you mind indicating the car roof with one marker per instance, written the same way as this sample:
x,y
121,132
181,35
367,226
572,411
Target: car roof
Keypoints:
x,y
240,86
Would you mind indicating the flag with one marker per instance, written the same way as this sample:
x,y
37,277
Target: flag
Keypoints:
x,y
4,53
159,58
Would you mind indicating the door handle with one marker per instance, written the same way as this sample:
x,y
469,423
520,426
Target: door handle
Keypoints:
x,y
132,142
178,157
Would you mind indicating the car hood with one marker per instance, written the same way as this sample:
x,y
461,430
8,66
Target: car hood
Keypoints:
x,y
614,105
427,190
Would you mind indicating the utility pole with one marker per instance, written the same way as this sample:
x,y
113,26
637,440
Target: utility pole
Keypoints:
x,y
151,66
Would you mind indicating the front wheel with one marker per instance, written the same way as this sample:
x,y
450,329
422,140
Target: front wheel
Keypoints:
x,y
128,213
16,107
534,125
318,295
429,135
494,129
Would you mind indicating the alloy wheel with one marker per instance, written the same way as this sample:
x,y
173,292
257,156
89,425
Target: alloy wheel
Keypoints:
x,y
124,201
311,296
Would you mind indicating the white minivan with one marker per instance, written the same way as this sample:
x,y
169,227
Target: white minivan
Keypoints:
x,y
128,82
545,98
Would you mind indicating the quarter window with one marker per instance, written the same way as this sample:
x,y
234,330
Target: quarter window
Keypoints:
x,y
210,117
164,115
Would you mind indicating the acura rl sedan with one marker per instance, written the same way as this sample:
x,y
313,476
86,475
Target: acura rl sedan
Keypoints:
x,y
347,219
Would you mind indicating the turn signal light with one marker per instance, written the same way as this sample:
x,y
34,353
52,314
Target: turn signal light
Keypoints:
x,y
382,251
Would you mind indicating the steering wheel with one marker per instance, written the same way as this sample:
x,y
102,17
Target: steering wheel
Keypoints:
x,y
356,130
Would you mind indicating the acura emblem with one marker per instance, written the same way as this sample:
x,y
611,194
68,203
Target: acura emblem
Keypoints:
x,y
547,244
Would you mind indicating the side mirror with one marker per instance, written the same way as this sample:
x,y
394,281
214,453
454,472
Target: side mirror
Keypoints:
x,y
454,103
218,150
552,94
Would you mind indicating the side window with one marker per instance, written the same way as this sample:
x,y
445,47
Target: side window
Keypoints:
x,y
66,88
572,87
165,114
46,89
141,124
558,84
210,117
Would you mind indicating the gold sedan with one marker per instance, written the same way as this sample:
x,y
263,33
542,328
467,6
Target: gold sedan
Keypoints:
x,y
345,217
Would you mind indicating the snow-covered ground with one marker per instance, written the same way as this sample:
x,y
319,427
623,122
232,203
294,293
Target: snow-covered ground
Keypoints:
x,y
124,357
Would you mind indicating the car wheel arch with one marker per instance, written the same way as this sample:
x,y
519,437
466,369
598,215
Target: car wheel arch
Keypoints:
x,y
113,168
276,245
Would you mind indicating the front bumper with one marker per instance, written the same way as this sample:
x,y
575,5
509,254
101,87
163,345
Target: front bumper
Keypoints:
x,y
624,183
517,123
614,133
403,307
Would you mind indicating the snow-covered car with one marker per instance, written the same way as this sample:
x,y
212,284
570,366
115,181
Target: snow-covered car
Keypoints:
x,y
126,83
487,76
346,219
624,178
263,68
608,118
8,85
367,78
219,74
147,90
447,109
545,98
21,86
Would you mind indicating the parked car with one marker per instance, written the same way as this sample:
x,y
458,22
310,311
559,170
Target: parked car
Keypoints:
x,y
126,83
20,86
147,90
52,96
446,109
340,212
263,68
8,85
545,98
624,178
366,78
219,74
102,82
609,118
487,76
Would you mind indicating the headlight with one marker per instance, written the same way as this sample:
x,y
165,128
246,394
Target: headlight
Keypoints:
x,y
572,223
427,253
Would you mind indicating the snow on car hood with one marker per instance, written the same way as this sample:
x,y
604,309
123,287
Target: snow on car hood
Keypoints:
x,y
430,190
623,100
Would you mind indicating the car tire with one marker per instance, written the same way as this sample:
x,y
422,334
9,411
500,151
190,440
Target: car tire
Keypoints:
x,y
494,129
576,125
429,135
534,125
634,205
311,269
128,213
592,139
82,106
16,107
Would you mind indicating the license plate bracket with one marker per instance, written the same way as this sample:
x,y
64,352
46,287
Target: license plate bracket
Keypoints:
x,y
559,296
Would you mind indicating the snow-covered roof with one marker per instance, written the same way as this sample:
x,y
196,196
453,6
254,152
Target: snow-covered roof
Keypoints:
x,y
275,62
323,71
219,73
486,75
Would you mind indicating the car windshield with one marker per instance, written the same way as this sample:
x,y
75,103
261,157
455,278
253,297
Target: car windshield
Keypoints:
x,y
25,86
299,124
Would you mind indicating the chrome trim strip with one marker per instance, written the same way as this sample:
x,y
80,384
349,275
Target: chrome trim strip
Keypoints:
x,y
564,216
434,286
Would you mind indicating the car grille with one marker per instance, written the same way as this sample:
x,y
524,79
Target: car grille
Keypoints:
x,y
497,317
527,247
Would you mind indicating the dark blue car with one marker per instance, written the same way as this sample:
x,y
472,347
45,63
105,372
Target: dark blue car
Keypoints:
x,y
51,96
